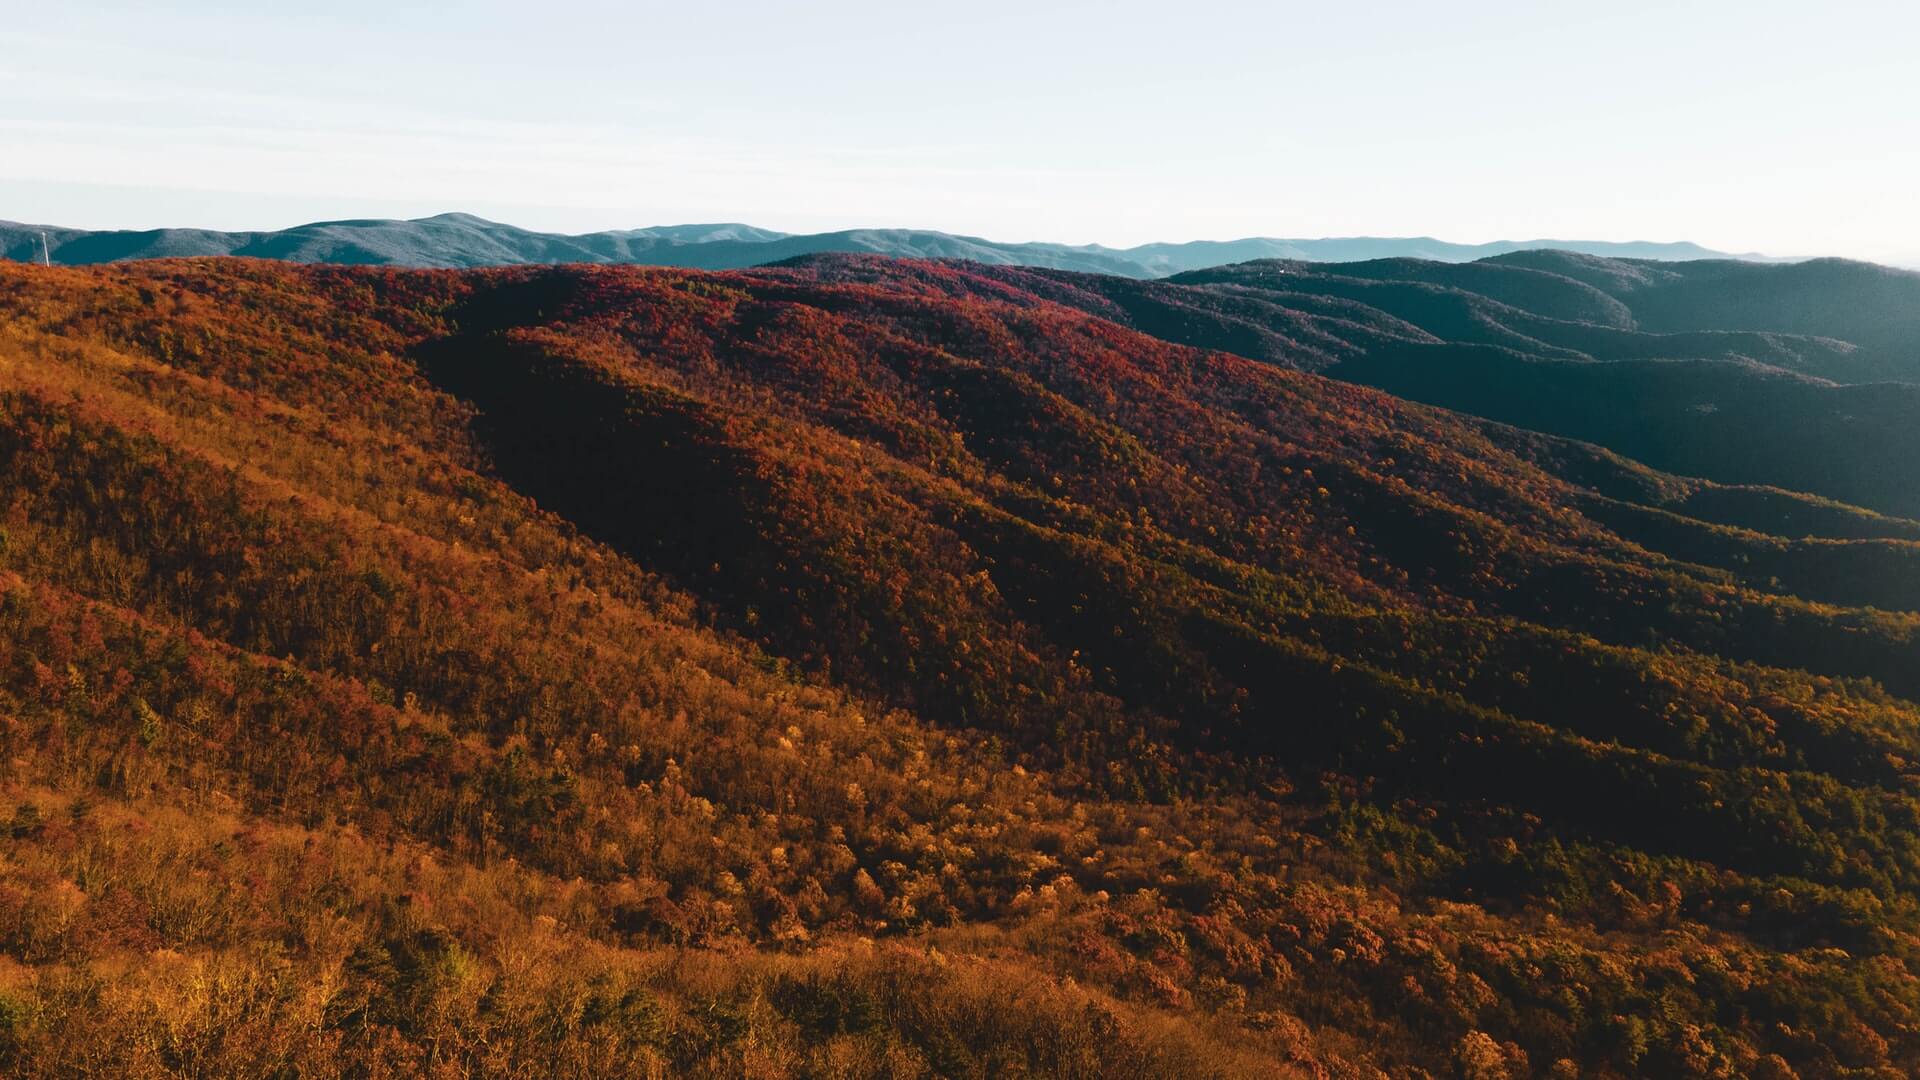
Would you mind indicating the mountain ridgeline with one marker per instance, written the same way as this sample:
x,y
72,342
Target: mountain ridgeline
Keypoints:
x,y
867,667
463,240
1799,376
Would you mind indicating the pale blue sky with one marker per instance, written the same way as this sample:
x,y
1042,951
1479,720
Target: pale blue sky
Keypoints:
x,y
1789,128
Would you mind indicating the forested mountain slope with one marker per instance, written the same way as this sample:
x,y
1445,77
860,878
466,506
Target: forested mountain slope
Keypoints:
x,y
862,667
1874,307
1799,376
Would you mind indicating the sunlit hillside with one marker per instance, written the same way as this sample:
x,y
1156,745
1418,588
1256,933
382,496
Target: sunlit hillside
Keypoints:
x,y
875,668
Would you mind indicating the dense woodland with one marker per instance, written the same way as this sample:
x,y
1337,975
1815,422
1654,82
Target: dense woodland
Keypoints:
x,y
1674,364
872,668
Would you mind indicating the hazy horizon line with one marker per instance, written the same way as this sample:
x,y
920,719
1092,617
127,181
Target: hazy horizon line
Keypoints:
x,y
971,235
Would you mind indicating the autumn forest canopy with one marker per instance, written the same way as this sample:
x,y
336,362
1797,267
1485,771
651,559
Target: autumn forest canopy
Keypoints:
x,y
859,666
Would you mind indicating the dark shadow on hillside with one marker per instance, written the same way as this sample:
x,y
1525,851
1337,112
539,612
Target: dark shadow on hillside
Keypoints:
x,y
640,468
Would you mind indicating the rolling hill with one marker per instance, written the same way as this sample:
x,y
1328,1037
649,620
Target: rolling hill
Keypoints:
x,y
1799,376
1876,308
463,240
870,667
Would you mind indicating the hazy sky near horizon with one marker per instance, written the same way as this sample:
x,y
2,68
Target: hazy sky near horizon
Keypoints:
x,y
1748,125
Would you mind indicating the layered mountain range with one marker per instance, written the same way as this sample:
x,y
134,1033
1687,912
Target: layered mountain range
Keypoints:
x,y
872,667
463,240
1798,375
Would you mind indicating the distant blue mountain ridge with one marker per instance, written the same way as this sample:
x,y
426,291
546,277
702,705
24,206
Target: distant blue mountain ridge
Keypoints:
x,y
463,240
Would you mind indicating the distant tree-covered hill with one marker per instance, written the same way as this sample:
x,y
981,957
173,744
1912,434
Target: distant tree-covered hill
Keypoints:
x,y
1797,375
462,240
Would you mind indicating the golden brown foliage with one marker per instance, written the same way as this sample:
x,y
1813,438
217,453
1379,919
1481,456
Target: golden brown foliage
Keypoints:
x,y
851,670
